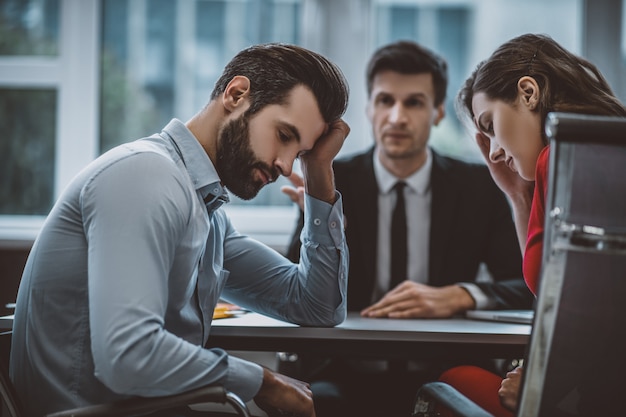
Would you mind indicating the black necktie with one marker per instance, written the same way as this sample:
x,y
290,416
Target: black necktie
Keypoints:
x,y
398,238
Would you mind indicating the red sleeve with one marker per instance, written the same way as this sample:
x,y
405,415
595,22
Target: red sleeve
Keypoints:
x,y
534,241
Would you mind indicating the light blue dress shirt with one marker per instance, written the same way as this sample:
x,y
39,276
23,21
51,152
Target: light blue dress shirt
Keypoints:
x,y
118,292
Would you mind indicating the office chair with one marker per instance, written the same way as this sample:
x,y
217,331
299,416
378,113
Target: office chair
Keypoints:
x,y
575,359
10,405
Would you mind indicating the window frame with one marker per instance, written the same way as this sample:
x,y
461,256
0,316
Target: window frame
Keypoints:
x,y
74,73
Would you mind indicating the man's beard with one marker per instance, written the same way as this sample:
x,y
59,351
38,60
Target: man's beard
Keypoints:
x,y
236,162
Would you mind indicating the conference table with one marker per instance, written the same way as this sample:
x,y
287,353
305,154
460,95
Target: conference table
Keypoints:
x,y
453,338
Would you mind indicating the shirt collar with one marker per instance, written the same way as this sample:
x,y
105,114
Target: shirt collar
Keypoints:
x,y
419,181
199,166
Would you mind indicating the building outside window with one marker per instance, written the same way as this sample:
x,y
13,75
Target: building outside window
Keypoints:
x,y
27,111
161,58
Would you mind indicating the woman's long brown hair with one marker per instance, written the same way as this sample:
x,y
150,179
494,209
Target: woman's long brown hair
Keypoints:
x,y
567,83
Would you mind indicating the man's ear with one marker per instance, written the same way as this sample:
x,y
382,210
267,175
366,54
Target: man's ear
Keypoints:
x,y
369,111
440,113
236,93
528,92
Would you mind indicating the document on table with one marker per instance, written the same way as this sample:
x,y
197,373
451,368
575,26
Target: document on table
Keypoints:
x,y
226,310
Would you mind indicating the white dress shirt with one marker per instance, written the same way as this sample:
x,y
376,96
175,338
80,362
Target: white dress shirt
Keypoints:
x,y
418,197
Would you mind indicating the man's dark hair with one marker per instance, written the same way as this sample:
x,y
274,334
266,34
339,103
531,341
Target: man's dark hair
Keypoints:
x,y
274,69
407,57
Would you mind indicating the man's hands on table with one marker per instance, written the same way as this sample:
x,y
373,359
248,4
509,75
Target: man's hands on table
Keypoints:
x,y
414,300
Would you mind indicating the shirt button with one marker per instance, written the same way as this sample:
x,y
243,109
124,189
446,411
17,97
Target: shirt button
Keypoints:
x,y
317,222
333,225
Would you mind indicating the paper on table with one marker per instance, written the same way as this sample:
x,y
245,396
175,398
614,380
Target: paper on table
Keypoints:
x,y
226,310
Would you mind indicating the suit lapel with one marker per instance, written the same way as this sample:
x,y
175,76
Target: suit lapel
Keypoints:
x,y
443,206
366,220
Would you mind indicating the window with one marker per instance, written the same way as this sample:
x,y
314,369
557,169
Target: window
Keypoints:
x,y
29,27
47,93
78,77
161,58
444,29
466,32
27,116
27,112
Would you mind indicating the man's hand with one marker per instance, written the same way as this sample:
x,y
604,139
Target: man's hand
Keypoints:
x,y
509,389
295,193
413,300
316,164
280,395
328,145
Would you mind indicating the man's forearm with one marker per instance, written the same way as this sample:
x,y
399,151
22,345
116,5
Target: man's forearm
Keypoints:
x,y
319,182
317,164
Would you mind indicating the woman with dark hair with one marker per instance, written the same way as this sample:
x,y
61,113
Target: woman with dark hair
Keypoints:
x,y
506,100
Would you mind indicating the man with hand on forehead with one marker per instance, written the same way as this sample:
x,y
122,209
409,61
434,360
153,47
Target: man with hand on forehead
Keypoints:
x,y
117,296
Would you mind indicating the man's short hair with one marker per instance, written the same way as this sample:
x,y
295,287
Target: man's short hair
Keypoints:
x,y
407,57
274,69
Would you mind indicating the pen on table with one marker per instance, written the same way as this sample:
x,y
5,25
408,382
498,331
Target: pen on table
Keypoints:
x,y
228,310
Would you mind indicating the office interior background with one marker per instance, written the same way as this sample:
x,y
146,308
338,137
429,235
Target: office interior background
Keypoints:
x,y
78,77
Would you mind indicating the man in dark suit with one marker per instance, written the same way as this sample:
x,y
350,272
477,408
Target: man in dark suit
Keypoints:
x,y
455,219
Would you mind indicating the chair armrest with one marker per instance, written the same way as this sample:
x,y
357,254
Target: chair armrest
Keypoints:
x,y
142,405
434,394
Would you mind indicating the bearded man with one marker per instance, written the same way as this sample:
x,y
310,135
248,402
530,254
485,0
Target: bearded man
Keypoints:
x,y
117,295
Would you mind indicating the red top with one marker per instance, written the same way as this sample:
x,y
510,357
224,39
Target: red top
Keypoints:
x,y
534,241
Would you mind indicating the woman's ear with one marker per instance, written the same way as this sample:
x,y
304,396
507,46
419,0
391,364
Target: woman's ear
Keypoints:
x,y
236,93
528,92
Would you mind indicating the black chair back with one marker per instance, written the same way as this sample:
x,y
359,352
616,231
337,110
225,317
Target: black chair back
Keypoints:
x,y
576,362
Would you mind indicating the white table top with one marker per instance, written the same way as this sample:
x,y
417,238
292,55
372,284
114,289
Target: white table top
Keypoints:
x,y
256,332
354,325
444,337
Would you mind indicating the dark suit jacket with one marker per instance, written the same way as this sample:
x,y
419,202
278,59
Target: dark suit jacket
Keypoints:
x,y
471,222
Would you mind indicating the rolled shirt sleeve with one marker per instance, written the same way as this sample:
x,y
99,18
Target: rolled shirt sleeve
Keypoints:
x,y
324,230
323,223
482,300
311,293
